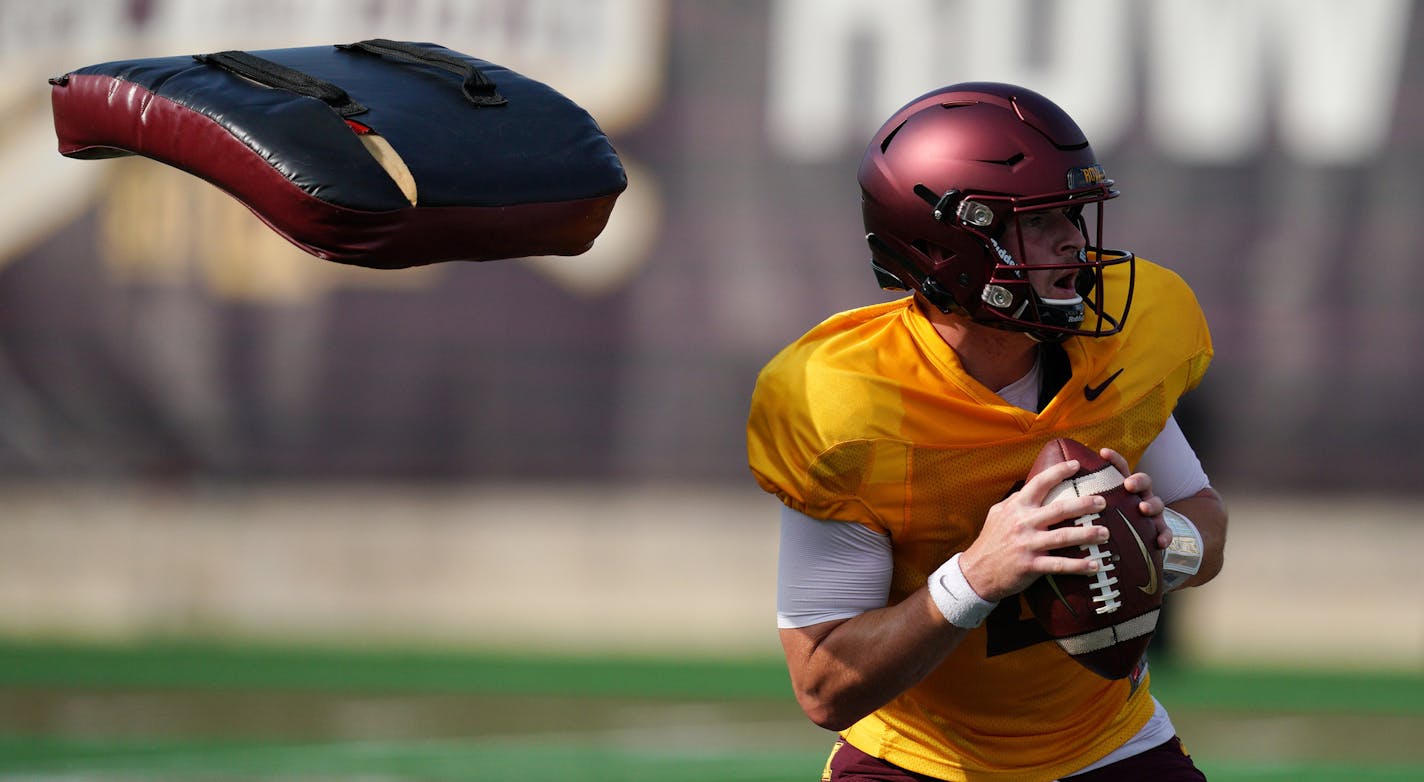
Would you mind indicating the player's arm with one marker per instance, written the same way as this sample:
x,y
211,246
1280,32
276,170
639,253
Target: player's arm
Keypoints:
x,y
845,668
1207,513
1177,476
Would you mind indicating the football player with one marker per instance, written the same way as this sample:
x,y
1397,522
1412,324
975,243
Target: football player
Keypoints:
x,y
897,437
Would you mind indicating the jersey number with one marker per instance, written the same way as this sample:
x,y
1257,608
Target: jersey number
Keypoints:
x,y
1010,627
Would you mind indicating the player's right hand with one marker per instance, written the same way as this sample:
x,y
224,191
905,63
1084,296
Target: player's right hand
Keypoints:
x,y
1012,548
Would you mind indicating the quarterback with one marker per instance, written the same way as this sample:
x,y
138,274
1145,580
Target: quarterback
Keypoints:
x,y
898,437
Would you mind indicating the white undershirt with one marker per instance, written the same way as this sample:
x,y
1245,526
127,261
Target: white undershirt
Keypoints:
x,y
832,571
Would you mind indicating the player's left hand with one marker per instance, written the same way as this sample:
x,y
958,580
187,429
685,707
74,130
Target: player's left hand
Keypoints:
x,y
1140,483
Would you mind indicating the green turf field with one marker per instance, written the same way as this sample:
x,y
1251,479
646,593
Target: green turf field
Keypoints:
x,y
191,712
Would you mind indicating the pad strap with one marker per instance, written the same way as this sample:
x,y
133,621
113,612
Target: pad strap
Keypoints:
x,y
477,87
281,77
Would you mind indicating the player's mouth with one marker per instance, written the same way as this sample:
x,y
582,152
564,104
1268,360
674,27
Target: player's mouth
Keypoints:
x,y
1063,284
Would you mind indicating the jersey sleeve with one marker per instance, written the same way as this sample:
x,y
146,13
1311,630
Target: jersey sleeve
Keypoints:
x,y
1178,317
821,433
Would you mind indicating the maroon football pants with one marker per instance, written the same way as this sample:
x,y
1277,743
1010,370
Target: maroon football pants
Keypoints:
x,y
1168,762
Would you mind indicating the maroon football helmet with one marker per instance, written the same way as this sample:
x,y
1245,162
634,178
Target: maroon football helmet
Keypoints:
x,y
943,178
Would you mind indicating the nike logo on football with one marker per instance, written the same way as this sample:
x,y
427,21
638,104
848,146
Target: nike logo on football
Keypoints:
x,y
1059,592
1093,392
1151,587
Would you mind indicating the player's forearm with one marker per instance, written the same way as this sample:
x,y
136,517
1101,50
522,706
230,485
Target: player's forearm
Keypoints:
x,y
862,663
1208,513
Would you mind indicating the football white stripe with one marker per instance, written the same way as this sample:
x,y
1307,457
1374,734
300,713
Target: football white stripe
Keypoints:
x,y
1100,482
1108,636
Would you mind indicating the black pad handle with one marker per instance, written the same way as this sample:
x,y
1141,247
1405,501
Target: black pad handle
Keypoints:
x,y
477,87
281,77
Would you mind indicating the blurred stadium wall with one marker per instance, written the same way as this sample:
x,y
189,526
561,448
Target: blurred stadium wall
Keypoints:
x,y
208,432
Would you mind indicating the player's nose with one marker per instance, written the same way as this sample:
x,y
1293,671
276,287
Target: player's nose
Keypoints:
x,y
1068,240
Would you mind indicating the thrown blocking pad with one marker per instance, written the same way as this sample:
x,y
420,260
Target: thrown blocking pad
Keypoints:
x,y
381,153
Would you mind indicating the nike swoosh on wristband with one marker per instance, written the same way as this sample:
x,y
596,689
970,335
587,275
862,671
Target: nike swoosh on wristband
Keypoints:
x,y
1093,392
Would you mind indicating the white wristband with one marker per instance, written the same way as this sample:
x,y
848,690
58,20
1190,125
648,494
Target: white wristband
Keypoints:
x,y
958,601
1184,557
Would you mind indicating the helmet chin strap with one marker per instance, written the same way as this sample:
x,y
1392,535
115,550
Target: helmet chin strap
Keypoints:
x,y
1062,313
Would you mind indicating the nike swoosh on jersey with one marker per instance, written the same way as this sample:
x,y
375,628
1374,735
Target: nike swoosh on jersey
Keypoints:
x,y
1093,392
1151,586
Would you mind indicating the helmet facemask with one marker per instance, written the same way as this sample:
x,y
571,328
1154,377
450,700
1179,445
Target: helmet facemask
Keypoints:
x,y
1009,298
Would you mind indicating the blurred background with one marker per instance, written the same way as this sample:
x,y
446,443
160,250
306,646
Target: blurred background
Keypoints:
x,y
211,442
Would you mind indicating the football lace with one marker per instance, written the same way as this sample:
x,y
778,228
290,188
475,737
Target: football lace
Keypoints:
x,y
1104,593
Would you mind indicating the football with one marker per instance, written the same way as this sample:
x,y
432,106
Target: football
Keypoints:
x,y
1106,620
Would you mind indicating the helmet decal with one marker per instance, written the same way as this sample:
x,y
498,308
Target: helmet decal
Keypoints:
x,y
1004,256
1080,178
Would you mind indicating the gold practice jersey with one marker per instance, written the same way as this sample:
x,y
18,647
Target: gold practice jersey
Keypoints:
x,y
870,419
